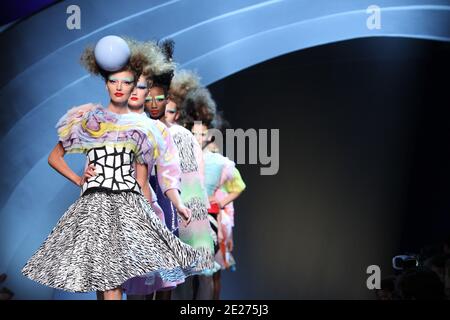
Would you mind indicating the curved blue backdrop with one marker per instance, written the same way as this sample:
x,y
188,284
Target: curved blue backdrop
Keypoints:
x,y
42,78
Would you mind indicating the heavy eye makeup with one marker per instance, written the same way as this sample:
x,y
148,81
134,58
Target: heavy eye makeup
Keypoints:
x,y
142,86
127,81
160,98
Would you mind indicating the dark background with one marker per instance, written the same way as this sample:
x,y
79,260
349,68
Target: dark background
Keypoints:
x,y
364,165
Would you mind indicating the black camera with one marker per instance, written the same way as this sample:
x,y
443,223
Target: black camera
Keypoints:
x,y
404,262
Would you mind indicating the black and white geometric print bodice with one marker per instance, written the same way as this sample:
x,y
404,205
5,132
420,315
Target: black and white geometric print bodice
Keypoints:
x,y
115,172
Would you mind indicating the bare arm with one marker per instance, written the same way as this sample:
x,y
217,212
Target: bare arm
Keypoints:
x,y
175,198
142,179
172,194
233,183
57,162
229,198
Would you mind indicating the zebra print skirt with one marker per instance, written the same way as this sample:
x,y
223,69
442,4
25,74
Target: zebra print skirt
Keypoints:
x,y
104,239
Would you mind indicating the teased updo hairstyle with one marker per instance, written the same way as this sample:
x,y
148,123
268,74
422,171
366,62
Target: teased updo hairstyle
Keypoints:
x,y
163,80
146,59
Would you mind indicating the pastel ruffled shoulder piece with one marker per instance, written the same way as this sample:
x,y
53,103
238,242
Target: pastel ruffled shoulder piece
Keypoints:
x,y
155,145
91,126
70,128
235,182
231,178
221,171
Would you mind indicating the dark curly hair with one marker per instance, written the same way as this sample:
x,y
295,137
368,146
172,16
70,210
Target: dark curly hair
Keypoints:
x,y
197,106
183,81
219,122
163,80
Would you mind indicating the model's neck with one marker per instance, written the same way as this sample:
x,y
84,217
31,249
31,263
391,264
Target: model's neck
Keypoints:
x,y
162,119
136,109
118,108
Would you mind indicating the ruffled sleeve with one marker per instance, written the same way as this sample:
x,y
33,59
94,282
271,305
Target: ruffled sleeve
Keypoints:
x,y
156,147
232,180
150,144
168,163
75,129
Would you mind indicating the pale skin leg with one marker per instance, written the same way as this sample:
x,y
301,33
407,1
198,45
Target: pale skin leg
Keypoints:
x,y
217,286
163,295
114,294
205,289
